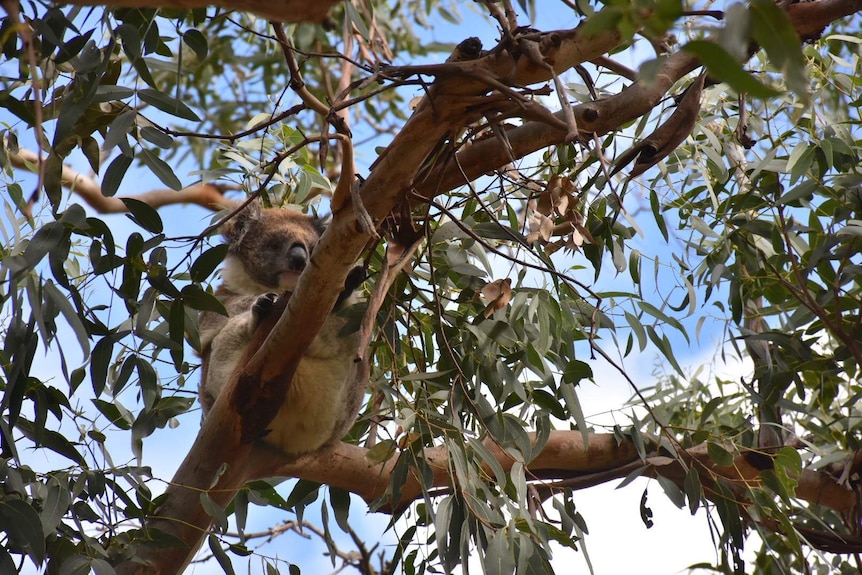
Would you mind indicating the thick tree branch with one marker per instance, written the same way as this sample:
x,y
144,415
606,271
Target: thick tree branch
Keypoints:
x,y
810,18
346,466
278,10
563,456
605,115
209,196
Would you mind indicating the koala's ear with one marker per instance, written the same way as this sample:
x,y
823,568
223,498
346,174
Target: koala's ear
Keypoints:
x,y
234,230
320,223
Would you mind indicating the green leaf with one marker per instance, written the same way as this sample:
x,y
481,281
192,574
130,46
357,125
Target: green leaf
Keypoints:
x,y
54,506
662,317
723,66
340,502
637,440
196,298
76,565
220,555
43,241
692,488
577,370
100,359
719,455
65,306
157,137
119,417
167,104
673,492
21,524
356,19
144,215
78,97
92,152
114,175
664,346
442,522
51,439
655,206
607,20
382,451
215,511
570,397
53,180
118,130
207,262
772,29
637,329
327,535
18,108
110,93
7,565
196,40
488,459
101,567
161,169
125,373
304,492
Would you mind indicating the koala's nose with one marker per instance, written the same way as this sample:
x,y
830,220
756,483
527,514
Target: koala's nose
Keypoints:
x,y
297,257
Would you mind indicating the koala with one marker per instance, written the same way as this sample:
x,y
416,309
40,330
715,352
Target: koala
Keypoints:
x,y
267,251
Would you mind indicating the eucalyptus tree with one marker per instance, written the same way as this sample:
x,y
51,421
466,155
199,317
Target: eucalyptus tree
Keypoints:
x,y
526,210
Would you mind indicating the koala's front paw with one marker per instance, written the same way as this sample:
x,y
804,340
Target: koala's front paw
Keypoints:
x,y
262,306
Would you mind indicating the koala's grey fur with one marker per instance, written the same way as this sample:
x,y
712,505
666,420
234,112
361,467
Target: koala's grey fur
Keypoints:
x,y
268,249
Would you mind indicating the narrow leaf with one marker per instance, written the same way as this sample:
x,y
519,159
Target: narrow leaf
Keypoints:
x,y
72,318
161,169
114,175
144,215
22,525
220,555
167,104
722,65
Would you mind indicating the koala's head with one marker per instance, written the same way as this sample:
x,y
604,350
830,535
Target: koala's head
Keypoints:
x,y
268,248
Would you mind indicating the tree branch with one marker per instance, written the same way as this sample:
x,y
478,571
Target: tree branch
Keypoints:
x,y
208,195
563,456
278,10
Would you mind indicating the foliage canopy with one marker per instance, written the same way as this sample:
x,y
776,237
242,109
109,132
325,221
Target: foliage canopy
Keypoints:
x,y
528,212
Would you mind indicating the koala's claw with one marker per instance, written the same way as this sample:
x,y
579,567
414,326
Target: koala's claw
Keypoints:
x,y
263,305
